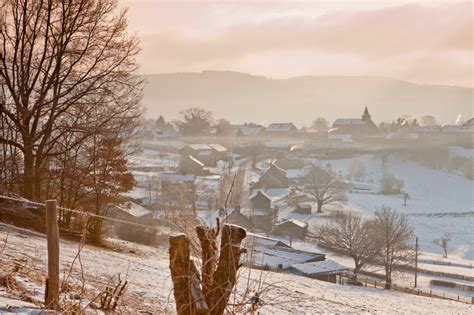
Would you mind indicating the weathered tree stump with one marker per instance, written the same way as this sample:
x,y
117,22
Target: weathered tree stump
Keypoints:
x,y
219,273
187,288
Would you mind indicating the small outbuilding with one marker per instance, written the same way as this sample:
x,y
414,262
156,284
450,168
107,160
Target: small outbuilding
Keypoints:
x,y
326,270
292,228
303,208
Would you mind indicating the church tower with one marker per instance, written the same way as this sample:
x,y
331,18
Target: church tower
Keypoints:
x,y
366,116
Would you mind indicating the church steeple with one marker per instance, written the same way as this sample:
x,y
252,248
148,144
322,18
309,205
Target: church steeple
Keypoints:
x,y
366,116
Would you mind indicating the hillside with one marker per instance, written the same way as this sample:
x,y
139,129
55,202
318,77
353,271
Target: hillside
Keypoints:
x,y
147,272
244,97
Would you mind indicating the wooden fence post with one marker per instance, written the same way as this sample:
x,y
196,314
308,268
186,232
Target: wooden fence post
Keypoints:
x,y
52,233
375,283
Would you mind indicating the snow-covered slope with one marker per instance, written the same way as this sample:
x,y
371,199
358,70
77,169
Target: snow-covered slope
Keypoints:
x,y
439,202
147,272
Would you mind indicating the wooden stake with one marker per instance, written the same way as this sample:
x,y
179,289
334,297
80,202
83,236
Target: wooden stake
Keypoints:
x,y
52,232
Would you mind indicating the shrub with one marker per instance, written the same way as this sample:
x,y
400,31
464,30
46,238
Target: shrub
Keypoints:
x,y
137,234
390,185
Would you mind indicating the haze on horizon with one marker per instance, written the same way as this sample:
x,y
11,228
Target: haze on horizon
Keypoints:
x,y
418,41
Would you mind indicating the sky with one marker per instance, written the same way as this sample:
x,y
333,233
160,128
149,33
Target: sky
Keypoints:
x,y
419,41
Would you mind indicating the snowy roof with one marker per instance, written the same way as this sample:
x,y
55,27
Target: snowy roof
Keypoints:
x,y
470,122
349,121
255,239
196,160
280,127
217,147
249,129
319,267
177,178
205,152
133,209
277,255
455,128
305,205
199,147
261,192
299,223
259,212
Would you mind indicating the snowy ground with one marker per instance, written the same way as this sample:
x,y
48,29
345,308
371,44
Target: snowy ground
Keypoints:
x,y
439,202
147,271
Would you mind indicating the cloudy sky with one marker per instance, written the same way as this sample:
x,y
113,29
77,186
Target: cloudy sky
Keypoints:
x,y
419,41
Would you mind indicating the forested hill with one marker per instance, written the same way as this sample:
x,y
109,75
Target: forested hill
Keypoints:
x,y
243,97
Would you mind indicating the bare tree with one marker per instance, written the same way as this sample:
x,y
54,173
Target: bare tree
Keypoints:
x,y
428,120
232,188
195,121
64,67
394,234
223,127
350,235
320,124
324,185
443,242
357,169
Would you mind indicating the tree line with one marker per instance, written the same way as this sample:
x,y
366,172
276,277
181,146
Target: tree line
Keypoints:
x,y
69,100
199,121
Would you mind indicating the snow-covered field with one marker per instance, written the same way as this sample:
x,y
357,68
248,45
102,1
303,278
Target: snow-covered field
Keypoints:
x,y
147,272
439,202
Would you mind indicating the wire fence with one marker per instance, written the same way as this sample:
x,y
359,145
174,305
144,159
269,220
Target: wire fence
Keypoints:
x,y
367,282
78,269
82,213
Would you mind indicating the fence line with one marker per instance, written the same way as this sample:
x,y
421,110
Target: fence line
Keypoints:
x,y
400,288
86,213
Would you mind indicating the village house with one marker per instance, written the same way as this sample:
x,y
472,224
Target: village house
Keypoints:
x,y
327,270
208,154
127,211
462,135
348,129
261,213
274,177
281,129
303,208
272,254
191,165
292,229
236,217
247,130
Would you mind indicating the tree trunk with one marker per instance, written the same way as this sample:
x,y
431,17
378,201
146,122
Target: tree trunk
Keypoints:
x,y
225,276
320,207
189,299
28,174
208,239
388,279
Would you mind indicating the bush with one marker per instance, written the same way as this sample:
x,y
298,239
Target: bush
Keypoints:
x,y
137,234
390,185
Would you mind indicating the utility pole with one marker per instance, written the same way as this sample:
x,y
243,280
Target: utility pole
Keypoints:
x,y
149,192
416,262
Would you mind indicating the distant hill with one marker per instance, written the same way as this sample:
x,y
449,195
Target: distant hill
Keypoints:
x,y
243,97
